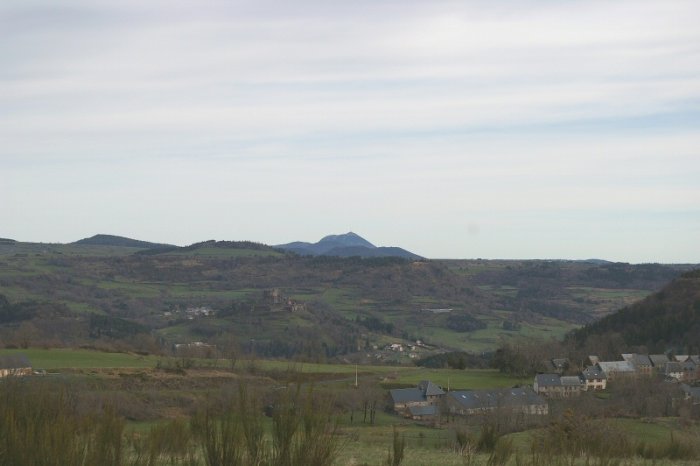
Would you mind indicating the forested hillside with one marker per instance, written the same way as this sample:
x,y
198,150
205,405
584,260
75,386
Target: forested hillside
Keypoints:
x,y
669,319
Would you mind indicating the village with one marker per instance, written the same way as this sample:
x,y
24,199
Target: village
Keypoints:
x,y
427,401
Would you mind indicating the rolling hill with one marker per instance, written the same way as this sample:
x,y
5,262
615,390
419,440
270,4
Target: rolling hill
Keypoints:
x,y
213,248
341,296
119,241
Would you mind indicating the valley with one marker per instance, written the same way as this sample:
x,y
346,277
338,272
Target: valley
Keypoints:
x,y
351,306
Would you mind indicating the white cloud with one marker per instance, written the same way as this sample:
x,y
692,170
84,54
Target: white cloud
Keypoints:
x,y
396,111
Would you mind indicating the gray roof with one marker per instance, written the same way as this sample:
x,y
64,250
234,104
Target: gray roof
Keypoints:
x,y
592,372
407,395
429,410
615,366
507,397
430,389
658,359
640,360
571,381
689,365
548,380
14,361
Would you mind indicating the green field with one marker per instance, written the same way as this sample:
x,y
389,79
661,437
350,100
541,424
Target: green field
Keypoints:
x,y
459,379
52,359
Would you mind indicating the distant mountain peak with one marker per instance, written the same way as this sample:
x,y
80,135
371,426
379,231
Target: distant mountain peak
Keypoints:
x,y
347,239
345,245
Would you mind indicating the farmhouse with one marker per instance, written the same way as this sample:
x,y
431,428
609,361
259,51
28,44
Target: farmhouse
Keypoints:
x,y
690,369
686,370
419,402
594,378
616,369
547,384
422,412
558,386
659,362
516,400
640,362
15,365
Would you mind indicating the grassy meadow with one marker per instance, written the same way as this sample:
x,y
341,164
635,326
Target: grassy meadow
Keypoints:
x,y
141,381
63,358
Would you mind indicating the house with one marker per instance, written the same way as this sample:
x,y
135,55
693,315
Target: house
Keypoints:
x,y
194,349
15,365
690,369
616,369
594,378
420,412
516,400
686,370
658,361
673,370
641,363
572,385
558,386
547,384
432,392
425,395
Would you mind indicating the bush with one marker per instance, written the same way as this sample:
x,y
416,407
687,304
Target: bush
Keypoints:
x,y
39,425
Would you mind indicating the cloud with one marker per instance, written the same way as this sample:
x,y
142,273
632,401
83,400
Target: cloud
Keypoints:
x,y
448,111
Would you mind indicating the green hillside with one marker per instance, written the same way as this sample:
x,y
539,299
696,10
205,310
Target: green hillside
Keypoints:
x,y
669,319
327,307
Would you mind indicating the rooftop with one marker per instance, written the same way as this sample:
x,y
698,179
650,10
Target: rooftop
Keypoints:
x,y
508,397
615,366
548,380
571,381
429,410
407,395
592,372
430,389
658,359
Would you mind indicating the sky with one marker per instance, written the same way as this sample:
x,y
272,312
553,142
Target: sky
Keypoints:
x,y
455,129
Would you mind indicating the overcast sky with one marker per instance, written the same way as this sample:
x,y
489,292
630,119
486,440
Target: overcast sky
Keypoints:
x,y
461,129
